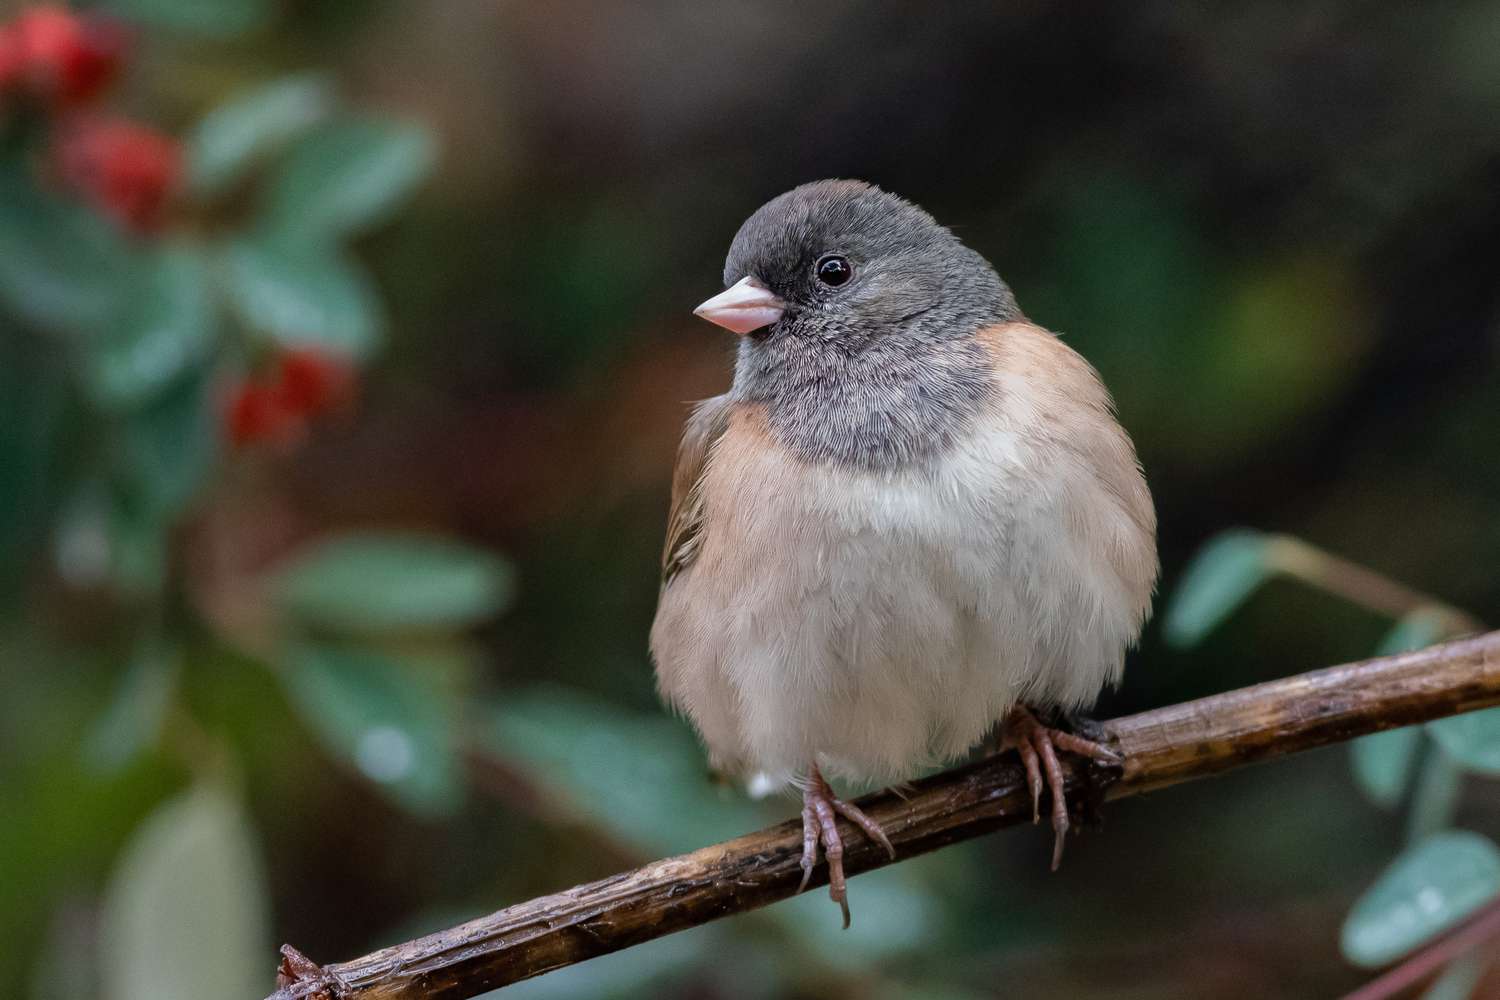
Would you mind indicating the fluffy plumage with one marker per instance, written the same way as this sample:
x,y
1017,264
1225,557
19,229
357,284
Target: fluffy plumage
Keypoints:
x,y
913,510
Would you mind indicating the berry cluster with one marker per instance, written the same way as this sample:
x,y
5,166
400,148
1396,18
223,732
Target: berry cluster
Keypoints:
x,y
275,408
54,66
58,58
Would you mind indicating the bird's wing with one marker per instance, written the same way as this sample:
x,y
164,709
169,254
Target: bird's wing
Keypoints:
x,y
705,426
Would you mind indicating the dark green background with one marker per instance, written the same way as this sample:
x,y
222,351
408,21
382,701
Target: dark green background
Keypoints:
x,y
1274,228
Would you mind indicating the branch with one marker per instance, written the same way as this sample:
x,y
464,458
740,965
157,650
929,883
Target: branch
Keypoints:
x,y
1161,747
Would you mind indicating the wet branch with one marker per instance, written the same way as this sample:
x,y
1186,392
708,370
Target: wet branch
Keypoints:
x,y
1161,747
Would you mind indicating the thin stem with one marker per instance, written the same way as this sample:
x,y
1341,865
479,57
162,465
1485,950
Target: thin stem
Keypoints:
x,y
1482,927
1363,586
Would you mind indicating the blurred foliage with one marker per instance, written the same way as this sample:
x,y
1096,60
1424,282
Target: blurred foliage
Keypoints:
x,y
1425,891
1443,875
186,904
641,779
256,623
157,321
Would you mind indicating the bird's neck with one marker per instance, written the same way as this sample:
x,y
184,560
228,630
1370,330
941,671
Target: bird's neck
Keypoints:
x,y
890,404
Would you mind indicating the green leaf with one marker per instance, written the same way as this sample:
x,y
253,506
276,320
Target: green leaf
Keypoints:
x,y
137,550
167,327
168,449
639,777
302,294
383,583
134,718
1221,576
1383,763
240,132
215,19
187,905
346,176
1430,887
1472,740
393,724
1416,630
1440,787
160,461
62,266
36,407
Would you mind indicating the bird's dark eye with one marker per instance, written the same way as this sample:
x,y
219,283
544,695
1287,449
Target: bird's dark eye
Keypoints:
x,y
834,270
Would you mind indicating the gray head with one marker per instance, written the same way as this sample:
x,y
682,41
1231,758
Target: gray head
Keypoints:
x,y
850,264
858,313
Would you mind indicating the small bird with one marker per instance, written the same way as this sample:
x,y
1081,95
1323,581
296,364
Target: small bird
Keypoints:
x,y
912,517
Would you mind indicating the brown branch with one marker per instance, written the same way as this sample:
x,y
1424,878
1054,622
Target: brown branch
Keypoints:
x,y
1162,747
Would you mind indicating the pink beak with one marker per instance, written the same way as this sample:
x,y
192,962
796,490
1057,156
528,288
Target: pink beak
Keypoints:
x,y
744,306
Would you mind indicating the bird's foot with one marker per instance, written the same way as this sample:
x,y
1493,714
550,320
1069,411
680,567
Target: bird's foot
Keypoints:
x,y
300,978
1090,729
820,812
1038,745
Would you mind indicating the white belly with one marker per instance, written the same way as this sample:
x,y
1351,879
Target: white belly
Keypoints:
x,y
878,623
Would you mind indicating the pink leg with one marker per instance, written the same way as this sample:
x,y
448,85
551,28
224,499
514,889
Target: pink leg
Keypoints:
x,y
1037,746
820,812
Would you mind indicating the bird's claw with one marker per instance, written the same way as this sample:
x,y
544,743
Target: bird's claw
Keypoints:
x,y
820,812
1037,746
809,846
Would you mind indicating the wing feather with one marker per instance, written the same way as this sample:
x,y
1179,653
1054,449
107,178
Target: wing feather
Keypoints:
x,y
705,426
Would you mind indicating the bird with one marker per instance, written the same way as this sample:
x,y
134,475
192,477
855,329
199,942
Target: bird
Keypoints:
x,y
912,521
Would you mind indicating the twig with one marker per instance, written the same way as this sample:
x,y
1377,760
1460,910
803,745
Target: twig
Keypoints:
x,y
1364,586
1481,927
1162,747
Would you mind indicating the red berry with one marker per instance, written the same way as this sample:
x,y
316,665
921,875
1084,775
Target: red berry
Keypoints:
x,y
256,414
311,381
95,61
66,59
127,170
12,64
47,37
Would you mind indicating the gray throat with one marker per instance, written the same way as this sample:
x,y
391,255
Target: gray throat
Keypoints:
x,y
889,403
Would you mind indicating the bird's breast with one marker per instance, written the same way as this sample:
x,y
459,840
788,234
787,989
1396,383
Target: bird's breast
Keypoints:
x,y
880,619
883,408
